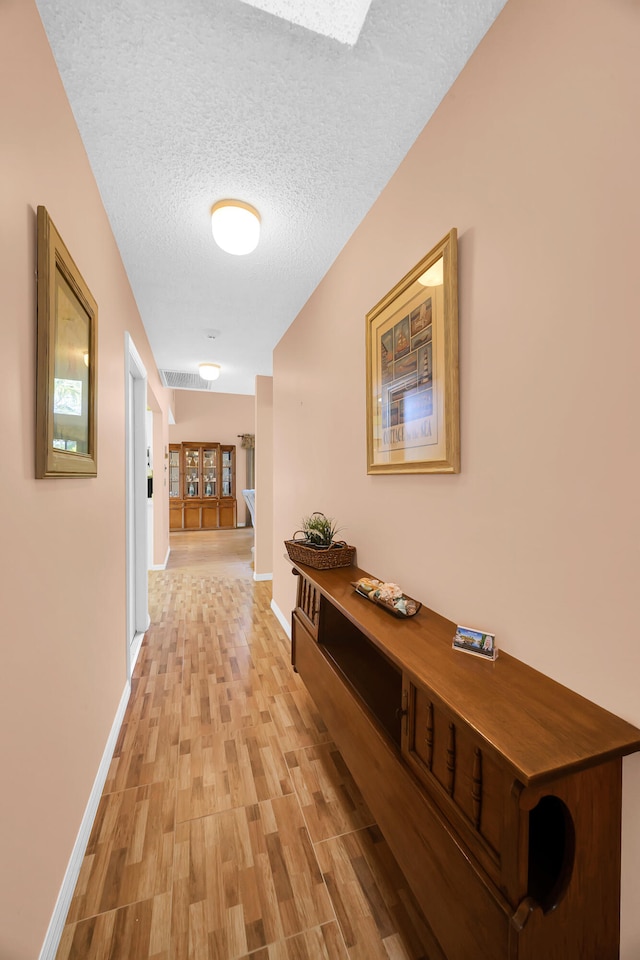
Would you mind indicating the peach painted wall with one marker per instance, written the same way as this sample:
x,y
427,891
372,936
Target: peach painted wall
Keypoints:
x,y
218,417
62,557
263,558
534,157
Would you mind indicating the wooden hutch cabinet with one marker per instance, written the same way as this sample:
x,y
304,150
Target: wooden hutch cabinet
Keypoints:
x,y
202,486
498,790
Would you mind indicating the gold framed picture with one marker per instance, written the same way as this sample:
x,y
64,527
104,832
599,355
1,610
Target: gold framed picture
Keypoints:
x,y
66,422
413,406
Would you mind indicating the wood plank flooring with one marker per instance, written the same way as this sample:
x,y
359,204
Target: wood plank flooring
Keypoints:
x,y
229,827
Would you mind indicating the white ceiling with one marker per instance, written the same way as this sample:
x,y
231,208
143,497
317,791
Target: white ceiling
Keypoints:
x,y
184,102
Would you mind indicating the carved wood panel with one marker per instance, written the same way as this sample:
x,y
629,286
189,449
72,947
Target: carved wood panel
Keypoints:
x,y
308,602
460,771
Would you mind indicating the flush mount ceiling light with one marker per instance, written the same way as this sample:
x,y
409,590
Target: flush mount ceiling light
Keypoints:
x,y
433,277
235,226
209,371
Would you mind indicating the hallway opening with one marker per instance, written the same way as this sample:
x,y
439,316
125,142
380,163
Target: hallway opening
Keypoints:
x,y
229,826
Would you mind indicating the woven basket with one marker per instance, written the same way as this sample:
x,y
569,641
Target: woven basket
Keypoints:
x,y
340,554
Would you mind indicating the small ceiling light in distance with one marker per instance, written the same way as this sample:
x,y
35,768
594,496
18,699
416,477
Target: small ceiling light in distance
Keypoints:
x,y
209,371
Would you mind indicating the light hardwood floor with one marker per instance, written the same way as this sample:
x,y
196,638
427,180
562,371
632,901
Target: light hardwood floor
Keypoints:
x,y
229,826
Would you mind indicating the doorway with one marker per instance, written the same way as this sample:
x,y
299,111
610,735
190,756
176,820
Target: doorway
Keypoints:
x,y
136,503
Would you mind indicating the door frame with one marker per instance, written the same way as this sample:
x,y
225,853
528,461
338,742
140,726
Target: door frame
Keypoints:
x,y
137,604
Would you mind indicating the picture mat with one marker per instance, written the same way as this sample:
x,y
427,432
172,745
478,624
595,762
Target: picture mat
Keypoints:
x,y
414,429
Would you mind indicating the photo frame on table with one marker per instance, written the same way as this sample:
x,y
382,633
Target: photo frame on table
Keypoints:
x,y
413,406
66,380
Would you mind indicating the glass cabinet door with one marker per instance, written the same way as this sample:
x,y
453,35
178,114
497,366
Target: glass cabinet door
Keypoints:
x,y
191,472
227,473
210,471
174,473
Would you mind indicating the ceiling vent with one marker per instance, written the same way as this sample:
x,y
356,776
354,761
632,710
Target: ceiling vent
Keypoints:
x,y
177,380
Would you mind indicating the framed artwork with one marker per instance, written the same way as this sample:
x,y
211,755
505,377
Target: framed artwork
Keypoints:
x,y
413,407
66,441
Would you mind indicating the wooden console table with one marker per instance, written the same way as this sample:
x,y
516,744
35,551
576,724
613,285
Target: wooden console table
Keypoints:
x,y
497,789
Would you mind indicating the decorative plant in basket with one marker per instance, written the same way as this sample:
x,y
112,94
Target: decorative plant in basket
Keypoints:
x,y
320,531
317,547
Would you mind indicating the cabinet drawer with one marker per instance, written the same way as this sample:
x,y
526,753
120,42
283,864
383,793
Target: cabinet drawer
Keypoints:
x,y
227,513
210,516
192,516
175,516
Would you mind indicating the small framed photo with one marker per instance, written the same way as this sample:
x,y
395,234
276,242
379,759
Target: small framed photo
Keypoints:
x,y
477,642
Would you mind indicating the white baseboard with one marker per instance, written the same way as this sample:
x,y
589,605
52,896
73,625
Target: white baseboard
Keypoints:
x,y
135,649
162,566
284,622
61,909
262,576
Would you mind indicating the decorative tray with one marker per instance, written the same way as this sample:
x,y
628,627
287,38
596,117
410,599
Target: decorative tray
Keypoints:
x,y
400,606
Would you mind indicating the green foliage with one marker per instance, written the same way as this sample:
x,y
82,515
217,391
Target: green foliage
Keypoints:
x,y
319,530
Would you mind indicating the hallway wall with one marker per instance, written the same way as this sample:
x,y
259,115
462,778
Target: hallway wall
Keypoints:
x,y
534,157
62,563
160,479
263,557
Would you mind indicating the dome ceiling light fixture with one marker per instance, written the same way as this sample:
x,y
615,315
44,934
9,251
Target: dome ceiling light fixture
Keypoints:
x,y
235,226
209,371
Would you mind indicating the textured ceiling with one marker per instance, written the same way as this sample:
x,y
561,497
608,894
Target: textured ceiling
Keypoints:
x,y
184,102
